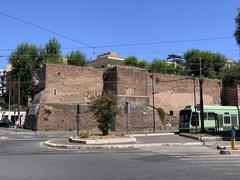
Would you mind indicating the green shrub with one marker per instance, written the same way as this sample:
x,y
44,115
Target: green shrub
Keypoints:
x,y
161,114
85,134
105,108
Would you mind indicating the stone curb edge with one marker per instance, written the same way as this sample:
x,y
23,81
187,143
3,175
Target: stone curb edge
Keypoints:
x,y
103,141
207,138
151,134
116,146
201,138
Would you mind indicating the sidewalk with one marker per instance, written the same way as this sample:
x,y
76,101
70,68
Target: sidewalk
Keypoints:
x,y
151,140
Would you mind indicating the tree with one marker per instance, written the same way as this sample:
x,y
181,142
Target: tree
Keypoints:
x,y
52,53
26,65
105,109
142,64
212,63
231,74
134,61
131,61
160,66
76,58
237,31
175,58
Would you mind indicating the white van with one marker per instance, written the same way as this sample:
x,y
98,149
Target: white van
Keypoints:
x,y
12,117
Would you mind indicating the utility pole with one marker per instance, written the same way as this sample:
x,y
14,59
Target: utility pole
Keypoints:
x,y
201,97
9,104
195,104
19,102
154,128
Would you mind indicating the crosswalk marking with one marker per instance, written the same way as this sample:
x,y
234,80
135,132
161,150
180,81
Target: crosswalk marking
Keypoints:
x,y
227,164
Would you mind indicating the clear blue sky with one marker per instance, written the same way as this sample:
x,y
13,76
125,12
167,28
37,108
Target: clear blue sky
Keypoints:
x,y
109,22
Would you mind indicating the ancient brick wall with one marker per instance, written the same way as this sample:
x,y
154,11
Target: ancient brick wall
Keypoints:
x,y
63,86
173,92
128,81
63,117
230,95
67,84
131,81
140,117
131,85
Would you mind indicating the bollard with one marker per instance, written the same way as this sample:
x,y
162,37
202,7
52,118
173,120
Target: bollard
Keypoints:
x,y
233,140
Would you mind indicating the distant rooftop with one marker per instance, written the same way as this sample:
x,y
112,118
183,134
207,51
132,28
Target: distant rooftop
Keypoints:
x,y
109,55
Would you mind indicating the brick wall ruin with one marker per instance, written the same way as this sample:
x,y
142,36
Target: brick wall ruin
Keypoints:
x,y
173,92
62,86
131,85
230,95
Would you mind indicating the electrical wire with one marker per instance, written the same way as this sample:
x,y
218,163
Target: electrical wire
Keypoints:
x,y
46,29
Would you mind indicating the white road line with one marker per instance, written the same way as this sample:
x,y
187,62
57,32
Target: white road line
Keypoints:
x,y
211,159
232,169
3,137
232,173
215,162
219,165
210,156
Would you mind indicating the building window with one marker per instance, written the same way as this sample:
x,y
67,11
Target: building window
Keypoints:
x,y
54,92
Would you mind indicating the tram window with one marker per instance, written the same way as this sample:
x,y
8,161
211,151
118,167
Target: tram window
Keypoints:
x,y
211,116
195,119
226,119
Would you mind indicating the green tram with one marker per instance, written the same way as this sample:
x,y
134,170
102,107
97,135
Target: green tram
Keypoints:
x,y
216,118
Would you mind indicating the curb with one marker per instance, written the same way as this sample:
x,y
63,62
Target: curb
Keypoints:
x,y
151,134
129,139
116,146
189,136
203,138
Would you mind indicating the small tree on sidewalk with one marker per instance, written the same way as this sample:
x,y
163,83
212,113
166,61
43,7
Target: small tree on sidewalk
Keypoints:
x,y
105,109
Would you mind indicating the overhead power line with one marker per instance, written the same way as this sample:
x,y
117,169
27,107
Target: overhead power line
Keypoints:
x,y
86,45
165,42
46,29
155,42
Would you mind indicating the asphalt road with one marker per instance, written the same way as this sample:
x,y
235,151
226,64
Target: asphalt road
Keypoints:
x,y
23,158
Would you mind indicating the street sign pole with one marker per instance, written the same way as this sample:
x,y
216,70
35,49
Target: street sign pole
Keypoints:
x,y
127,111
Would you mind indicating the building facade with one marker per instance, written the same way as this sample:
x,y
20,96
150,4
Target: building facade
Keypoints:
x,y
106,60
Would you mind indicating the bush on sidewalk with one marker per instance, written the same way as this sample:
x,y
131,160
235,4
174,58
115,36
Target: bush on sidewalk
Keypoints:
x,y
105,109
